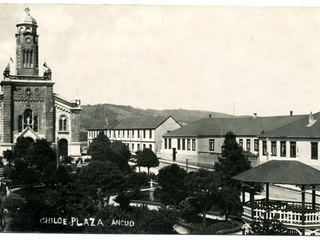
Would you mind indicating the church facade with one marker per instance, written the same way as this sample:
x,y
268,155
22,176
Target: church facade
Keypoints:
x,y
28,106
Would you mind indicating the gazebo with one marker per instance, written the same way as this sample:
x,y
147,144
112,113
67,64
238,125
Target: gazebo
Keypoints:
x,y
299,216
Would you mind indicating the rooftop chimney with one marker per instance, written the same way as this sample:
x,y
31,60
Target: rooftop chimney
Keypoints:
x,y
209,115
291,113
254,115
311,120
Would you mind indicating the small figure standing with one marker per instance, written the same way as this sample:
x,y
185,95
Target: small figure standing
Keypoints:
x,y
6,72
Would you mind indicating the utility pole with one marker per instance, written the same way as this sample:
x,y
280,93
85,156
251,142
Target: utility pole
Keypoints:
x,y
187,165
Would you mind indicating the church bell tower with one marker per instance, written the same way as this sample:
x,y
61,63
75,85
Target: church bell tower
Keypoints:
x,y
28,106
27,46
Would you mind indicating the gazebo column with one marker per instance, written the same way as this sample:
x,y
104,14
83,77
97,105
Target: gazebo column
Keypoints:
x,y
243,187
303,200
267,199
313,197
252,201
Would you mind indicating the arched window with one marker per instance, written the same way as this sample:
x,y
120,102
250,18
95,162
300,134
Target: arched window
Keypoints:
x,y
63,123
27,118
36,124
20,123
27,59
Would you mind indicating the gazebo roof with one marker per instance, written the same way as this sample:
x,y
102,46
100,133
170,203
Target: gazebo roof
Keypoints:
x,y
281,172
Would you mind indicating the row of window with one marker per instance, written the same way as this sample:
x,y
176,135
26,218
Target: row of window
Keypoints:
x,y
94,134
136,147
182,144
248,144
130,133
292,150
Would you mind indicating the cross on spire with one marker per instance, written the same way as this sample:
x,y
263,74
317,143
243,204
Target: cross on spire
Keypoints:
x,y
27,10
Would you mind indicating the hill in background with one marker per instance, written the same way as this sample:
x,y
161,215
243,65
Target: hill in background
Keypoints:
x,y
97,116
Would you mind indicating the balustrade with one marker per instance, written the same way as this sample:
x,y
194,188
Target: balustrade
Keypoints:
x,y
288,212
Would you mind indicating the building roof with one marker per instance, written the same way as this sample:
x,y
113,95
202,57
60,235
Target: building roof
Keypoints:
x,y
27,19
307,127
250,126
70,104
281,172
150,122
98,126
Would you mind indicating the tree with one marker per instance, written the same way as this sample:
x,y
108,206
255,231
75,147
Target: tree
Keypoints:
x,y
227,202
40,153
121,149
19,166
99,149
21,148
147,158
137,179
159,221
101,180
29,175
233,161
170,179
61,175
203,186
120,155
73,201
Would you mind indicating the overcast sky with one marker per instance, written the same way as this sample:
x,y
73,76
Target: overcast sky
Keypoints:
x,y
237,60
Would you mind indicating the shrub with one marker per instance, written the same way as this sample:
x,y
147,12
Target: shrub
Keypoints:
x,y
123,200
29,176
135,179
20,165
265,226
61,175
136,194
186,209
13,202
213,228
6,171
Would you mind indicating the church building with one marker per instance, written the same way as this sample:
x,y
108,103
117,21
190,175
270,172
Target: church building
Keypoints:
x,y
28,105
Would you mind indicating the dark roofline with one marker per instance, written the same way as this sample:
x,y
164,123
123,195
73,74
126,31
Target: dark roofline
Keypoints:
x,y
266,134
290,137
98,129
208,136
167,119
115,127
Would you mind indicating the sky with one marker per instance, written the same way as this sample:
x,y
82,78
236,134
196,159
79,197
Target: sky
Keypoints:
x,y
232,59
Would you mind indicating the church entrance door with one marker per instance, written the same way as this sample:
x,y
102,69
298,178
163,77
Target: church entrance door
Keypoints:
x,y
63,148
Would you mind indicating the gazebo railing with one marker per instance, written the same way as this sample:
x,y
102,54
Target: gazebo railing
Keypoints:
x,y
288,212
288,205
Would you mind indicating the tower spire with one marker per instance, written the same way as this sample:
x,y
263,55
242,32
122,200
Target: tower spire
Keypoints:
x,y
27,10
